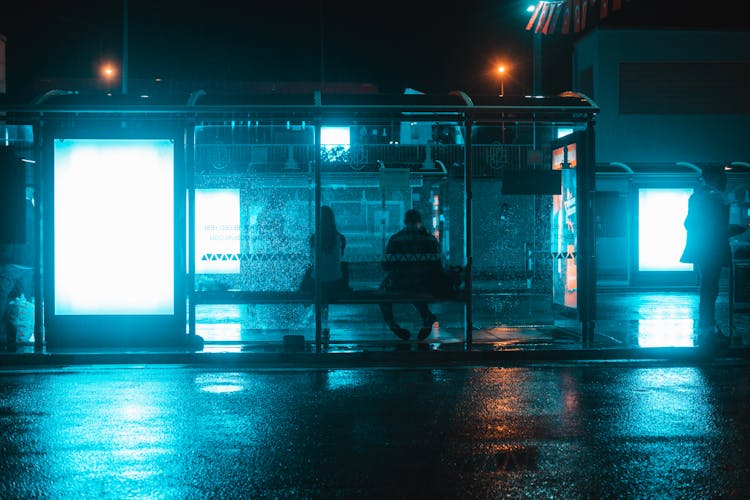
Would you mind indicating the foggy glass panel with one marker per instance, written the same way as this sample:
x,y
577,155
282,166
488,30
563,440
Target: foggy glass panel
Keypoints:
x,y
277,222
512,265
269,168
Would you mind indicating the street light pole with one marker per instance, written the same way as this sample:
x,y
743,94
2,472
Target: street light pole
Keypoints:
x,y
501,70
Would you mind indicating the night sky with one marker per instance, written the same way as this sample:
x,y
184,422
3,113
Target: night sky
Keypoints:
x,y
433,47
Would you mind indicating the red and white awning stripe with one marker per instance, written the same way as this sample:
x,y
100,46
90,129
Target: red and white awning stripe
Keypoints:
x,y
549,16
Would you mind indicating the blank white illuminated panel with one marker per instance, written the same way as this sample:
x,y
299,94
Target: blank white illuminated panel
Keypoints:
x,y
661,230
217,231
113,227
331,137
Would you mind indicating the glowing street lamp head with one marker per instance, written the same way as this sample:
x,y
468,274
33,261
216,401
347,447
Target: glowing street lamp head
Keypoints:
x,y
108,71
501,69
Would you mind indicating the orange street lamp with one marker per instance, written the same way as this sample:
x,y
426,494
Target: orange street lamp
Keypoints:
x,y
501,69
108,72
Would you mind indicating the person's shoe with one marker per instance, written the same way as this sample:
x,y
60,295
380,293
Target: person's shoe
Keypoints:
x,y
426,330
401,333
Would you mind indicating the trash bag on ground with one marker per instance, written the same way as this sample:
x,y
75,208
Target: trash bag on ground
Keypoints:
x,y
21,317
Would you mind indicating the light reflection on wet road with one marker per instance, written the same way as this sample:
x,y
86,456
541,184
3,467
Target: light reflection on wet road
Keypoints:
x,y
555,431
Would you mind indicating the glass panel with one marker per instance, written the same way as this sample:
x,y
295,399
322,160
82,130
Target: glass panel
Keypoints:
x,y
512,233
512,267
17,241
382,171
254,202
253,214
278,221
392,168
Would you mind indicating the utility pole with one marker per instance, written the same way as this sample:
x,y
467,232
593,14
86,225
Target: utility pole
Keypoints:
x,y
124,47
322,51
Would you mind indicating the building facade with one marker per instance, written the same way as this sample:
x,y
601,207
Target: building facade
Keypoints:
x,y
672,101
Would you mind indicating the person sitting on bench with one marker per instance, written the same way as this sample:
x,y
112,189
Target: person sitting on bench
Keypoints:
x,y
413,265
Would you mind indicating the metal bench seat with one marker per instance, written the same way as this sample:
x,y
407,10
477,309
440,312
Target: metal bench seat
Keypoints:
x,y
295,297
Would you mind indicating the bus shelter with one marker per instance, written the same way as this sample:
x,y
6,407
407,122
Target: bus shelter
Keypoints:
x,y
189,221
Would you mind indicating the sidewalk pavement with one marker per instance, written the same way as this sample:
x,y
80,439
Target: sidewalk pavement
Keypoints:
x,y
631,327
511,346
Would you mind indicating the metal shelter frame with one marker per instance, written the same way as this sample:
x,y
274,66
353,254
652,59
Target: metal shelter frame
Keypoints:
x,y
71,109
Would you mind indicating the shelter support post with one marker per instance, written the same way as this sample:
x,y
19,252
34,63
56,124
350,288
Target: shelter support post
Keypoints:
x,y
468,321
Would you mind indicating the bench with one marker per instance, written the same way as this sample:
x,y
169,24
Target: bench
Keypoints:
x,y
372,296
380,296
294,297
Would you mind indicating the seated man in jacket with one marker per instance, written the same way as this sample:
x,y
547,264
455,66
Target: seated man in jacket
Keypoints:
x,y
413,265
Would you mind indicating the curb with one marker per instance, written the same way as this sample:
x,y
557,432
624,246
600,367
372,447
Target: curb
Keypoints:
x,y
679,355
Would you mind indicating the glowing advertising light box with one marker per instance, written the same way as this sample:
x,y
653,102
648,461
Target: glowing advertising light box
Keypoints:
x,y
564,228
217,231
114,227
661,230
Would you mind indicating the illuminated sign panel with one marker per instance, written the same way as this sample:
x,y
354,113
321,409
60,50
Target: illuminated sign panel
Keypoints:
x,y
661,229
114,227
564,229
217,231
332,137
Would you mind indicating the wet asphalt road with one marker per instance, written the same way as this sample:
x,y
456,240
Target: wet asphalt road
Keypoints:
x,y
547,431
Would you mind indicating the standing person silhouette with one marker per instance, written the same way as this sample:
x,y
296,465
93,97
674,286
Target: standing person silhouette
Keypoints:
x,y
413,264
707,246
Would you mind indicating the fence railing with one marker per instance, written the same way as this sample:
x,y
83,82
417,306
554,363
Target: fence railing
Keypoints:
x,y
488,160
